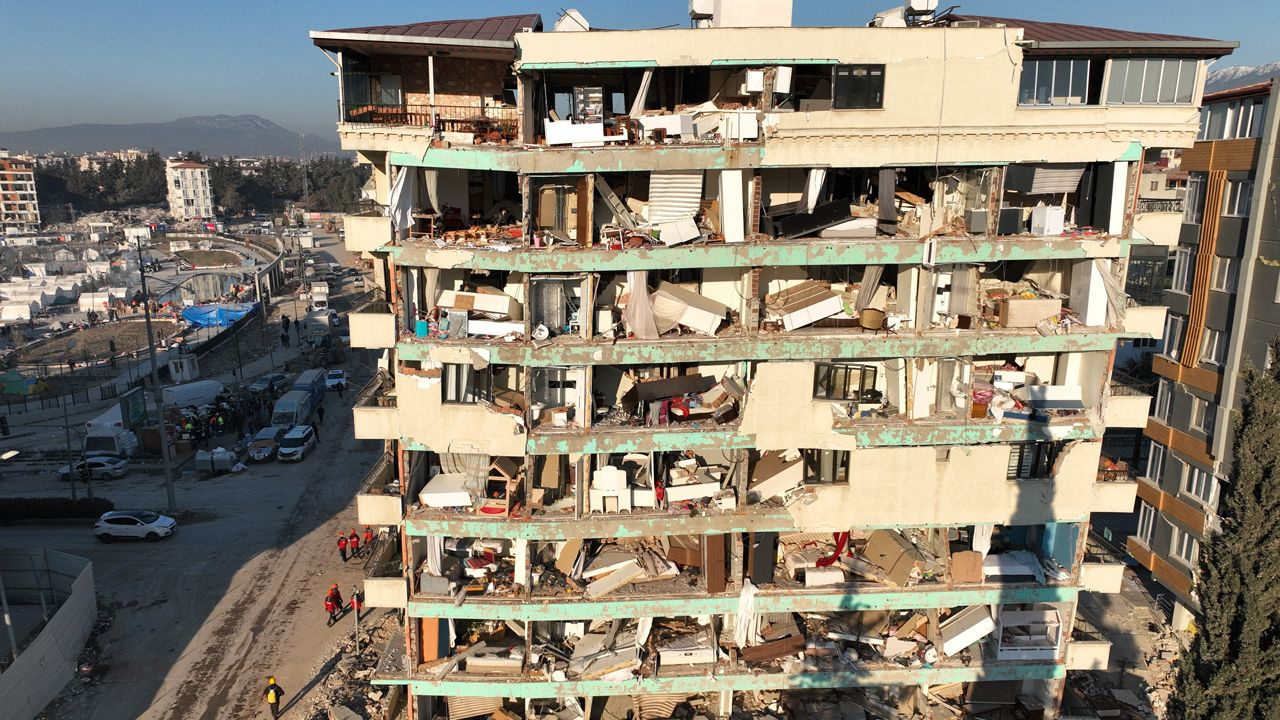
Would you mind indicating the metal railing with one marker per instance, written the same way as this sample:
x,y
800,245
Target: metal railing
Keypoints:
x,y
477,119
1146,205
1113,470
373,394
1123,383
380,480
1100,550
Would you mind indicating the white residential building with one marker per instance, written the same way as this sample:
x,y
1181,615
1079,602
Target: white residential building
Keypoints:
x,y
189,193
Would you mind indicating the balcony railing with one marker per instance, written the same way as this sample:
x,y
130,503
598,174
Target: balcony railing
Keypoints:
x,y
374,394
1146,205
1125,384
1113,470
490,123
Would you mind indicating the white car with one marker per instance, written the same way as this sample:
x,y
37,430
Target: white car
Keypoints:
x,y
296,443
335,380
101,467
133,525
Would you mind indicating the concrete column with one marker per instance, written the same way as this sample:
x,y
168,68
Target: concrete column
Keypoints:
x,y
1088,294
1119,193
732,212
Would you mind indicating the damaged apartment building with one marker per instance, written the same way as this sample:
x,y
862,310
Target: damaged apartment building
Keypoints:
x,y
748,369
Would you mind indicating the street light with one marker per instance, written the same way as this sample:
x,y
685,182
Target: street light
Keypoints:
x,y
155,386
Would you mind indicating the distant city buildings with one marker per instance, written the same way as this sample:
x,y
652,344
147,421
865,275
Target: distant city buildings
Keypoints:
x,y
188,188
19,209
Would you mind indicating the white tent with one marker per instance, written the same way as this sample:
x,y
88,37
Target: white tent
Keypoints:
x,y
11,311
99,301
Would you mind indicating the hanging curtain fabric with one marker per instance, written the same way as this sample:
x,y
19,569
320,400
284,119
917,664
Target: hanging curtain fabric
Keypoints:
x,y
403,193
1115,292
870,281
639,316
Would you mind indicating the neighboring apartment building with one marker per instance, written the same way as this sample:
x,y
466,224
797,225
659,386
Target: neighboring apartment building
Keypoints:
x,y
726,361
190,196
19,207
1224,310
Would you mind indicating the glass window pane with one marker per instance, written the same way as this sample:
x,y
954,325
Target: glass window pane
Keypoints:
x,y
1133,81
1079,80
1259,112
1169,82
1217,121
1115,85
1151,81
1027,83
1186,80
1061,81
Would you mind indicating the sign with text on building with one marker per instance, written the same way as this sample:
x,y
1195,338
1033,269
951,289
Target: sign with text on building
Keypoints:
x,y
133,408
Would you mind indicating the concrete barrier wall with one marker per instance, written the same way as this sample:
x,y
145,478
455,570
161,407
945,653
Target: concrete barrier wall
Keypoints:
x,y
49,662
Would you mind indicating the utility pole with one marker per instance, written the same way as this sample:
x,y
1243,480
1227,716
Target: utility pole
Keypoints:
x,y
356,604
155,387
302,160
66,427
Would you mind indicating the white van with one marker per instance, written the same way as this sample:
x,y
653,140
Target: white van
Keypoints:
x,y
192,394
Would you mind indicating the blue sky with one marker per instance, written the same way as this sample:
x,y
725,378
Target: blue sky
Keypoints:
x,y
73,61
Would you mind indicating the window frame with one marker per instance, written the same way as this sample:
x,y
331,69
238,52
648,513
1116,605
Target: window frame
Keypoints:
x,y
1193,208
1040,464
1156,455
817,462
1198,484
1164,400
827,371
1184,269
1120,84
1047,95
1226,274
1173,337
1147,515
462,384
1184,541
1218,356
1236,198
874,96
1203,415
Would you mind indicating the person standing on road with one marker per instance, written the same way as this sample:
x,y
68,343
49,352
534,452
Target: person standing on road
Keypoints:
x,y
272,696
357,602
335,597
368,538
330,608
315,428
353,542
320,414
342,545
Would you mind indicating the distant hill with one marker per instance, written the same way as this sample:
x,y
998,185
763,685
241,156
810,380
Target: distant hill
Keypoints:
x,y
1234,77
215,135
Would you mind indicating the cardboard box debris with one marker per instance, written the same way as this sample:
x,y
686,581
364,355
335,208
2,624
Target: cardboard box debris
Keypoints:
x,y
894,554
804,304
966,566
773,650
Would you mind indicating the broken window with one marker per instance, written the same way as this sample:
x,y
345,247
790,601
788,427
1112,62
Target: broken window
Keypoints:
x,y
1028,461
465,384
844,381
826,466
858,87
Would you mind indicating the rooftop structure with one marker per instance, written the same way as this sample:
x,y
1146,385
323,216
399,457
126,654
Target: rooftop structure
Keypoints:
x,y
729,361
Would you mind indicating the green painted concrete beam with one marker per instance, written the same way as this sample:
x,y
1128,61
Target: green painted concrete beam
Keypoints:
x,y
880,434
600,65
532,160
624,441
770,346
489,686
779,253
755,519
774,61
921,596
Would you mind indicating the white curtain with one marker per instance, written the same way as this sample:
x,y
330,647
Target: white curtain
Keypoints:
x,y
639,317
403,193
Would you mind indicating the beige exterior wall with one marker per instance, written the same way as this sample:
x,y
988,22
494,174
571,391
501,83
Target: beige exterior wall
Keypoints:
x,y
951,486
441,427
950,95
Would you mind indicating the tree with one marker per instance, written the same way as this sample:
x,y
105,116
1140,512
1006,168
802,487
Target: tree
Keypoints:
x,y
1233,667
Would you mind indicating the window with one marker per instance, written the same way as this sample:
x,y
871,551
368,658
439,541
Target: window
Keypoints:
x,y
826,467
1062,81
1193,211
843,381
858,87
1151,81
1185,547
464,384
1146,522
1155,462
1198,483
1203,415
1225,272
1213,347
1032,460
1233,119
1237,196
1144,344
1155,186
1184,269
1173,335
177,183
1164,400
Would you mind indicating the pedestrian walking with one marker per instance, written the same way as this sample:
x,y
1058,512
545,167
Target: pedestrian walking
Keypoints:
x,y
272,696
320,414
332,609
353,542
357,602
368,538
335,596
342,389
342,545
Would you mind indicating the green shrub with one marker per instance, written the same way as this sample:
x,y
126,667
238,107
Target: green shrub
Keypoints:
x,y
52,508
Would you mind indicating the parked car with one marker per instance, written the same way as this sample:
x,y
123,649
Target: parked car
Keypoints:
x,y
344,336
266,443
334,318
335,268
335,380
271,382
101,467
351,272
134,525
296,443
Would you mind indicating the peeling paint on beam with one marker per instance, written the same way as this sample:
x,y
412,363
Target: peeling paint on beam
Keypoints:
x,y
598,442
561,160
778,253
546,609
489,686
882,435
756,519
771,346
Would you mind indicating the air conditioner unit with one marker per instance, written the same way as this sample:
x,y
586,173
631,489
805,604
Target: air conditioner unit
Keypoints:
x,y
976,221
966,24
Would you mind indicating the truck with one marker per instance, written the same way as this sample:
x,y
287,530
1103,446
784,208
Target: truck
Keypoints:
x,y
294,408
192,394
312,382
317,326
107,435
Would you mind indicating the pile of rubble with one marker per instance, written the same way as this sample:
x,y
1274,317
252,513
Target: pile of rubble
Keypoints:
x,y
345,685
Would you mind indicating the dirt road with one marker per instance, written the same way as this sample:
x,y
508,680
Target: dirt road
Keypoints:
x,y
202,618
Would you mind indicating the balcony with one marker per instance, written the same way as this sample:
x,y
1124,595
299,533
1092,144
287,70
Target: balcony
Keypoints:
x,y
1103,567
384,583
459,124
373,326
1145,321
1116,487
368,231
1129,403
1088,650
374,414
1159,220
378,500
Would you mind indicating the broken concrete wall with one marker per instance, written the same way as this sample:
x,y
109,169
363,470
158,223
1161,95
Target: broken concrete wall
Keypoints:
x,y
470,428
1089,371
952,486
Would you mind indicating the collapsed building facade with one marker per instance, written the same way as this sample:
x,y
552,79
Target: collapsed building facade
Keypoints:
x,y
723,365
